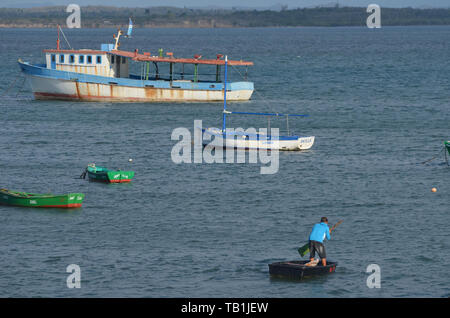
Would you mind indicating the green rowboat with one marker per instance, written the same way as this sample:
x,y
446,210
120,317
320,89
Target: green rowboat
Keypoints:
x,y
71,200
105,175
447,145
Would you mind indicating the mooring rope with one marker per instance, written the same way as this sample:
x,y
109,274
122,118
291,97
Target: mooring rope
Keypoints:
x,y
83,175
21,87
446,158
435,156
10,86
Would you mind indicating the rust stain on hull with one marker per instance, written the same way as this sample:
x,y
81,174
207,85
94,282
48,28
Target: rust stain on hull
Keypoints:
x,y
150,93
88,90
78,89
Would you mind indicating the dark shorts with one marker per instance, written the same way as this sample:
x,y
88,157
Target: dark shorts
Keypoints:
x,y
318,247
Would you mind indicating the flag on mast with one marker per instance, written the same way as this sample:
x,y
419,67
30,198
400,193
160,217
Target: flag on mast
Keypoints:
x,y
130,28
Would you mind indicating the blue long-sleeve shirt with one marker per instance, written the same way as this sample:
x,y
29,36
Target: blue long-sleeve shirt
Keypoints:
x,y
319,232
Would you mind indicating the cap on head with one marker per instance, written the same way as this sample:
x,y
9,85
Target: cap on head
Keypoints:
x,y
324,219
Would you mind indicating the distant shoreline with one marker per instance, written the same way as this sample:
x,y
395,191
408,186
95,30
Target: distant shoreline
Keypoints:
x,y
221,27
174,17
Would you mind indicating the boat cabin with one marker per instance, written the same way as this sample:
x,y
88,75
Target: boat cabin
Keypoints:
x,y
88,62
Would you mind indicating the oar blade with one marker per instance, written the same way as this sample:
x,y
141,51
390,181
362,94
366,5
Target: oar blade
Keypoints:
x,y
303,250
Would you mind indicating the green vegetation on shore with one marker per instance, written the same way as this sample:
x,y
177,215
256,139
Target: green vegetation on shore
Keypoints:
x,y
102,16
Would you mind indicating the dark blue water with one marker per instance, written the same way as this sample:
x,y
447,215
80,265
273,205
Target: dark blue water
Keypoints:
x,y
378,102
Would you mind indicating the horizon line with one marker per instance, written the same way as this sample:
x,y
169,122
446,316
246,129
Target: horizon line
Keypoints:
x,y
269,7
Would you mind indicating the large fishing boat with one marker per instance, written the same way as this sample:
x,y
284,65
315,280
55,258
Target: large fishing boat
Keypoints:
x,y
104,75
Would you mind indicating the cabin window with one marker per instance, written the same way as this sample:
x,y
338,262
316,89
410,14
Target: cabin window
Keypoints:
x,y
112,59
89,59
71,58
53,58
81,59
99,59
123,60
61,58
118,60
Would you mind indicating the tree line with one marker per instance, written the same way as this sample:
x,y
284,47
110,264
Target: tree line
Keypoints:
x,y
102,16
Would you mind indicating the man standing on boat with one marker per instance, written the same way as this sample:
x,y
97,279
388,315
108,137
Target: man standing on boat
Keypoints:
x,y
319,232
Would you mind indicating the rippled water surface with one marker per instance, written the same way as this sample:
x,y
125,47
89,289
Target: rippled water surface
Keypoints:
x,y
378,102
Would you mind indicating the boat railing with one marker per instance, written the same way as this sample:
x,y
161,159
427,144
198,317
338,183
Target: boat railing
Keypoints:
x,y
152,70
288,131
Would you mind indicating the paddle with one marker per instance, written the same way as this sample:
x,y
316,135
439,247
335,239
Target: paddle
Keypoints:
x,y
305,248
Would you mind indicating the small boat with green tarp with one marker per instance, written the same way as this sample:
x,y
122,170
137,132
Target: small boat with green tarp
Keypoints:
x,y
447,146
25,199
105,175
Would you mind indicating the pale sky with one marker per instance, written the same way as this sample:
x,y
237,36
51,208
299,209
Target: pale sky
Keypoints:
x,y
228,3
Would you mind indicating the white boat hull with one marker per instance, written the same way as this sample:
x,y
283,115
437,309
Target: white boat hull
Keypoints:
x,y
215,138
49,88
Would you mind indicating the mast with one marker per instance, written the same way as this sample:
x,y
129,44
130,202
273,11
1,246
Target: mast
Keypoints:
x,y
57,41
119,33
225,97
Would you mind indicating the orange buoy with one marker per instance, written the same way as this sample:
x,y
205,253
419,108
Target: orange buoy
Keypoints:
x,y
433,189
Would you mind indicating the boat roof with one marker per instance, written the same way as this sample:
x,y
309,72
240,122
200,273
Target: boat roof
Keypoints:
x,y
147,58
82,51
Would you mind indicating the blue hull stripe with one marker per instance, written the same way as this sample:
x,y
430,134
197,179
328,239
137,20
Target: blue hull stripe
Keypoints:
x,y
40,70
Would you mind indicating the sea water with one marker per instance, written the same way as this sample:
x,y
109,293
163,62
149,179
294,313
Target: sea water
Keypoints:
x,y
378,102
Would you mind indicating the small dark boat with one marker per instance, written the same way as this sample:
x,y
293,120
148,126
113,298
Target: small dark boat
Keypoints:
x,y
298,269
